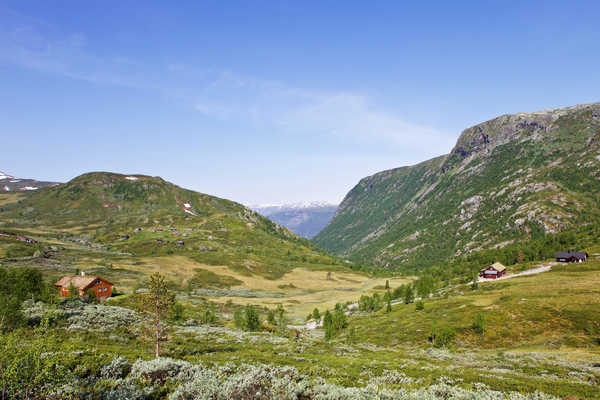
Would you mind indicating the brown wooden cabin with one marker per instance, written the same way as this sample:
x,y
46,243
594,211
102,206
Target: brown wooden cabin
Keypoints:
x,y
571,256
101,287
494,271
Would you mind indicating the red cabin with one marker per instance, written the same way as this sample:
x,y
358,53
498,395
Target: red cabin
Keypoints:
x,y
494,271
101,287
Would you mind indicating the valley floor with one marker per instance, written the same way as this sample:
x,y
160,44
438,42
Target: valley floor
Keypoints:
x,y
542,331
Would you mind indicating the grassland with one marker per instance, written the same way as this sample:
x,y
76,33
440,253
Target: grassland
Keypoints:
x,y
542,334
553,310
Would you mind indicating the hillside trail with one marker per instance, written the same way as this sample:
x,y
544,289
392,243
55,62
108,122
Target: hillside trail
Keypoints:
x,y
533,271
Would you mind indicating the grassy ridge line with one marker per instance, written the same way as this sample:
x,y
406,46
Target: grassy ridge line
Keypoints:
x,y
139,216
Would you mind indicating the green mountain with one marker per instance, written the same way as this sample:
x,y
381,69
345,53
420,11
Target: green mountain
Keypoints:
x,y
147,216
507,180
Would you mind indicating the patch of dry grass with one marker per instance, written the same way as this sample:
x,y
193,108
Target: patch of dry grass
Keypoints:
x,y
303,289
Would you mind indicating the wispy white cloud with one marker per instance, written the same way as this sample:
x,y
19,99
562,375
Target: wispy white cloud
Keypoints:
x,y
220,94
344,115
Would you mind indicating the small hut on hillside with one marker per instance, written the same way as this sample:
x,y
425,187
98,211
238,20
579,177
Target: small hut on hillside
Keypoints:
x,y
82,283
571,256
494,271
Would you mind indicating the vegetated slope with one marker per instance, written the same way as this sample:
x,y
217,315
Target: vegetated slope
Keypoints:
x,y
147,216
549,310
11,184
509,179
305,220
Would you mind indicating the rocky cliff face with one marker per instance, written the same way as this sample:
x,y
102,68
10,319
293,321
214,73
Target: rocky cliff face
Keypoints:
x,y
506,180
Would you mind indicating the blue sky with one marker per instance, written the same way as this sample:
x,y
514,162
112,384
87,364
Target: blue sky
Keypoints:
x,y
264,102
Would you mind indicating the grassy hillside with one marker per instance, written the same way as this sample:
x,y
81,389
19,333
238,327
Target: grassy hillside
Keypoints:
x,y
541,339
511,179
542,312
108,218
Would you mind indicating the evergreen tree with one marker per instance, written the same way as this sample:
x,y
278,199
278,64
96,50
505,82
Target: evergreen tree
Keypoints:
x,y
479,325
238,318
251,319
351,338
315,314
339,320
474,283
157,304
409,295
281,321
328,325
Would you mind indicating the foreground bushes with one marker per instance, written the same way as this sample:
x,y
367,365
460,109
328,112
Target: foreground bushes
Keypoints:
x,y
270,382
165,378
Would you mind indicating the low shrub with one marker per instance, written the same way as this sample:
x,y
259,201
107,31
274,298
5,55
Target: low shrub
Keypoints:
x,y
441,336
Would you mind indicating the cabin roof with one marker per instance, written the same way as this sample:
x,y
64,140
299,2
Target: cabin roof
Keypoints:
x,y
497,266
80,282
569,254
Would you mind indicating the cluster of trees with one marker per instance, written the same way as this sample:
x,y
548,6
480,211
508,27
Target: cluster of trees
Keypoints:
x,y
16,286
316,315
276,319
441,336
334,322
406,293
248,319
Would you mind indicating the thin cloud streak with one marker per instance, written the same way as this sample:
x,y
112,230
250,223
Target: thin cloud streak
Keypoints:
x,y
223,95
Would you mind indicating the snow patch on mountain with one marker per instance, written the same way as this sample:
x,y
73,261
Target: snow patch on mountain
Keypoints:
x,y
12,184
293,206
4,176
303,218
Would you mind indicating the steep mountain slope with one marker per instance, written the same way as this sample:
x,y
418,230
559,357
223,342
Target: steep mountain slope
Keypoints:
x,y
304,219
147,216
11,184
508,179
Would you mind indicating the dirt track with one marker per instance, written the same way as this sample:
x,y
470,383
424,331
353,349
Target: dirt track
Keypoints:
x,y
533,271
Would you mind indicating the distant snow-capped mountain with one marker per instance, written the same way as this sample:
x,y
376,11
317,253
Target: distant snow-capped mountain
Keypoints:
x,y
305,219
9,183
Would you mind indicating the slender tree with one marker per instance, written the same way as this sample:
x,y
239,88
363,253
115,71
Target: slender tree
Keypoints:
x,y
251,318
157,304
328,325
316,315
409,295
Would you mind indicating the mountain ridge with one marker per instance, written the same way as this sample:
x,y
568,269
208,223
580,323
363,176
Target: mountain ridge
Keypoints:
x,y
508,179
9,183
150,217
305,219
